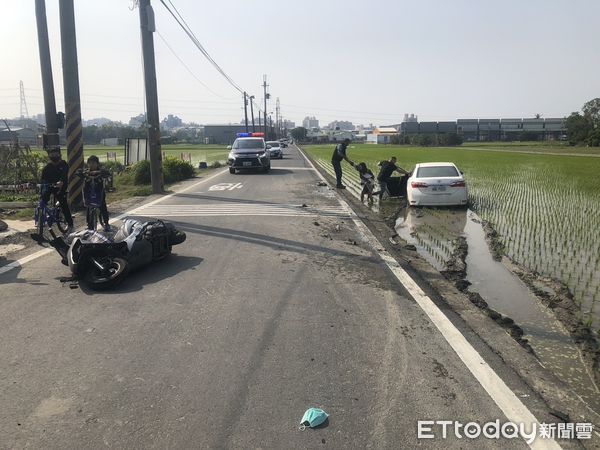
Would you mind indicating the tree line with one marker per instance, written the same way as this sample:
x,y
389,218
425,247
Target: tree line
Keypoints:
x,y
584,129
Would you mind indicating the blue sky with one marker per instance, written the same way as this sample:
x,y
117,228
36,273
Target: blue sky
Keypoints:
x,y
348,60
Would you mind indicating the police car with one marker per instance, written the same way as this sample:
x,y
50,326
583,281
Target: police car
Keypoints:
x,y
249,151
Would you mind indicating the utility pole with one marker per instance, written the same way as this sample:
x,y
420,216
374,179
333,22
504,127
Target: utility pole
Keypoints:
x,y
265,110
51,136
246,109
277,118
147,28
252,112
72,100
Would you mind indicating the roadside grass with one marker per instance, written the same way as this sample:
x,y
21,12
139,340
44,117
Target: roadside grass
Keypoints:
x,y
124,189
546,207
198,152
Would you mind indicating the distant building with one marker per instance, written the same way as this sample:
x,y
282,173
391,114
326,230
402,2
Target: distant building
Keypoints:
x,y
288,124
310,122
411,118
381,135
492,129
339,135
25,136
341,125
137,121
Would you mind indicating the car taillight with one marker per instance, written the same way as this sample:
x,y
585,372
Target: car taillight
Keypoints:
x,y
458,184
418,184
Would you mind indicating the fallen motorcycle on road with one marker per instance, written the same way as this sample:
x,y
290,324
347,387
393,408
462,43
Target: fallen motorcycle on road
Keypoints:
x,y
103,259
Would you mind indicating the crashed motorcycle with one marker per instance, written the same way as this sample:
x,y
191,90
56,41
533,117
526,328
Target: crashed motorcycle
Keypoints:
x,y
103,259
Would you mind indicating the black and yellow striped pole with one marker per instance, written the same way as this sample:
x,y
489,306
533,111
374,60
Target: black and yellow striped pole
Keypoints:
x,y
72,101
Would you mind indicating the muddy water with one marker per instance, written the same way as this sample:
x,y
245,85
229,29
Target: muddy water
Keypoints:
x,y
434,233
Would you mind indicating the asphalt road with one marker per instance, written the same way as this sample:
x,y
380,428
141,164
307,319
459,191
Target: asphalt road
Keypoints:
x,y
267,309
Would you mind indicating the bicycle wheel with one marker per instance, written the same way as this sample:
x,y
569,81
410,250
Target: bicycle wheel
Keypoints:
x,y
94,218
61,222
39,221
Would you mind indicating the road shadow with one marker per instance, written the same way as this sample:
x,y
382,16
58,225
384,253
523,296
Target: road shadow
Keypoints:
x,y
279,171
268,241
12,275
157,272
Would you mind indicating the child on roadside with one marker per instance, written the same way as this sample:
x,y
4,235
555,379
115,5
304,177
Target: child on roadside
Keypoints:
x,y
367,180
93,190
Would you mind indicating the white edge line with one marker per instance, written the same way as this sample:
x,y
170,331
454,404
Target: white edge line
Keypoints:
x,y
514,410
36,255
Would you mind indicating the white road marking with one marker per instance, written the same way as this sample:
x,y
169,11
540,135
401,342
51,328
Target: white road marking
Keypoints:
x,y
225,186
512,407
239,209
24,260
36,255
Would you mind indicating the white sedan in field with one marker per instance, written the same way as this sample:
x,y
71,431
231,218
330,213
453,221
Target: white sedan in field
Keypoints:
x,y
436,183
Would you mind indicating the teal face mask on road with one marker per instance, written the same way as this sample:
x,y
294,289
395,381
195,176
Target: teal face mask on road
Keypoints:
x,y
313,417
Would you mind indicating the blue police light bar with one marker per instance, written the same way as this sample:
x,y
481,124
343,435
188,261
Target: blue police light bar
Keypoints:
x,y
250,135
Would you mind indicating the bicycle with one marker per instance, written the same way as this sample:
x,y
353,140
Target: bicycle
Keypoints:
x,y
93,196
46,215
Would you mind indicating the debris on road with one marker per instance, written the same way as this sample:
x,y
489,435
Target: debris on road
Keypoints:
x,y
316,223
304,205
321,183
313,417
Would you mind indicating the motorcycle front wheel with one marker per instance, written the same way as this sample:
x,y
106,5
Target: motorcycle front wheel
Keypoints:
x,y
114,272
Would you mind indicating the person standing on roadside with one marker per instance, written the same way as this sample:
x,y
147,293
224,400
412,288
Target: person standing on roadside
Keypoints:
x,y
56,173
385,173
339,154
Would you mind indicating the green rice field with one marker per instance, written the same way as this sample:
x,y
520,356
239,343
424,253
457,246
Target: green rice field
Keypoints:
x,y
544,203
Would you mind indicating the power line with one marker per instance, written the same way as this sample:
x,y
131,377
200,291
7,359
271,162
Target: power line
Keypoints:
x,y
197,43
186,66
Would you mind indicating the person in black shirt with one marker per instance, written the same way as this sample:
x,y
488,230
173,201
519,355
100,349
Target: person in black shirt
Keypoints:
x,y
385,173
339,154
57,172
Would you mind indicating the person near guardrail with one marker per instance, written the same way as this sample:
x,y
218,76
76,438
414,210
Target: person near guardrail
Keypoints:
x,y
339,154
57,172
385,173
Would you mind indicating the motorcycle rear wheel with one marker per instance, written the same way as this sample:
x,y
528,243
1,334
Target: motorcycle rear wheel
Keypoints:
x,y
115,273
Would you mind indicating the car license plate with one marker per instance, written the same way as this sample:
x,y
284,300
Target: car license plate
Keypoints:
x,y
439,188
246,163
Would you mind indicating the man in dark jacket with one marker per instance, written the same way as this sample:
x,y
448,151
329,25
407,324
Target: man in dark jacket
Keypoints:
x,y
57,172
339,154
385,173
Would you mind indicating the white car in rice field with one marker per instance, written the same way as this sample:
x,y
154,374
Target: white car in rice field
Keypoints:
x,y
436,184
